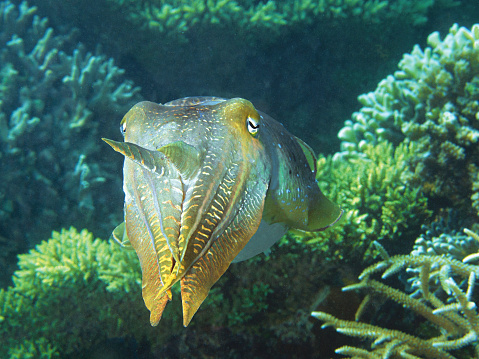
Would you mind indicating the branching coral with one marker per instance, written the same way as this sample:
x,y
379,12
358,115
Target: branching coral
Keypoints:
x,y
73,292
379,202
72,286
177,17
54,103
433,99
455,318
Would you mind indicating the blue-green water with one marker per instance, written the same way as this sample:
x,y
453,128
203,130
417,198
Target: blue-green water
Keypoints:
x,y
69,71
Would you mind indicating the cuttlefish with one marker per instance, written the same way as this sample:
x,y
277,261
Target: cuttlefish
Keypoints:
x,y
207,182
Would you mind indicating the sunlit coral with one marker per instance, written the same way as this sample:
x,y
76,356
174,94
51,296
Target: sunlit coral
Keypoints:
x,y
432,100
69,286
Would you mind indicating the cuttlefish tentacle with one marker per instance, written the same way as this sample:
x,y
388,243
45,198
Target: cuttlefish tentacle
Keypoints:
x,y
200,175
156,166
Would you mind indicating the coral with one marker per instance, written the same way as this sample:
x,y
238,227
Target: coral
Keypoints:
x,y
73,293
433,100
309,69
455,245
379,203
71,286
177,17
456,319
40,349
55,101
451,245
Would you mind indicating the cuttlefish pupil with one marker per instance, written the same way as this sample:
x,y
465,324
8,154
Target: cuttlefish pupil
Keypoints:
x,y
252,126
203,190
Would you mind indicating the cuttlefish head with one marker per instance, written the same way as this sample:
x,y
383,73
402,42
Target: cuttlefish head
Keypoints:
x,y
199,176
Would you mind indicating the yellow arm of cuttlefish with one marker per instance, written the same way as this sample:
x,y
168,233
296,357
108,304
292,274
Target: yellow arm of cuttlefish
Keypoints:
x,y
150,160
151,281
198,280
151,214
155,162
184,157
154,193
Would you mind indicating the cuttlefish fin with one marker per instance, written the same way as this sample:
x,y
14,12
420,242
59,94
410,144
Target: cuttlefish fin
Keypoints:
x,y
206,271
308,153
120,236
324,213
184,157
150,160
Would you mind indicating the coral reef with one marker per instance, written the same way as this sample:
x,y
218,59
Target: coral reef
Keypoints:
x,y
303,60
76,292
55,101
416,135
175,18
70,286
450,312
451,245
379,202
178,17
433,100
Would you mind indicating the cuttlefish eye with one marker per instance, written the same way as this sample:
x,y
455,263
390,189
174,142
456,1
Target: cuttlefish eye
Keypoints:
x,y
123,127
252,125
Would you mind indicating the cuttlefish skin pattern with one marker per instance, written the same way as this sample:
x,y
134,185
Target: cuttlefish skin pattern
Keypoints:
x,y
200,174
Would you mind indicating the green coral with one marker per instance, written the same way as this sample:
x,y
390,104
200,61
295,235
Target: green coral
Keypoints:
x,y
443,302
34,349
76,286
176,17
71,286
379,202
243,306
433,100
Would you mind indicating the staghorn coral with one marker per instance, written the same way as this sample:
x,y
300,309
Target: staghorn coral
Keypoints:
x,y
378,200
456,319
55,100
433,100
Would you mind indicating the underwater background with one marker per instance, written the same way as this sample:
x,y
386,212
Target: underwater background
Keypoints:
x,y
387,92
